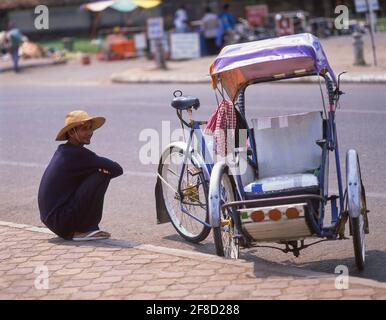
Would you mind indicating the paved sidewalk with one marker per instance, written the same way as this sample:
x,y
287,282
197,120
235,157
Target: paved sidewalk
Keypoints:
x,y
6,66
113,269
339,51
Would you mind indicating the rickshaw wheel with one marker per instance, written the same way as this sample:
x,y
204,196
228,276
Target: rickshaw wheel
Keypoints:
x,y
356,201
194,196
226,244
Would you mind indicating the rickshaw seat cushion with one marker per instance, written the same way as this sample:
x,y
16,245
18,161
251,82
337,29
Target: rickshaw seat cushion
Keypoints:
x,y
283,182
287,144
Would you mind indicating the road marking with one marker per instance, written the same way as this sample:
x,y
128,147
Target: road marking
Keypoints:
x,y
375,195
22,164
381,195
140,173
39,165
362,111
259,108
368,194
381,112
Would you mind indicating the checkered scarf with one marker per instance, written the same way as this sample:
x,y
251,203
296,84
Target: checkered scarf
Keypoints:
x,y
222,124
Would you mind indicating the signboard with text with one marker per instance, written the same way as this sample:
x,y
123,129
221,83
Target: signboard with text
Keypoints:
x,y
361,5
185,45
140,41
155,28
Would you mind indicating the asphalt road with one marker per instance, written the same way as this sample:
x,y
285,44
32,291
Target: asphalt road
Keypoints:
x,y
32,113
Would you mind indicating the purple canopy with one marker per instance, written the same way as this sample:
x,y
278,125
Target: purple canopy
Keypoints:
x,y
276,58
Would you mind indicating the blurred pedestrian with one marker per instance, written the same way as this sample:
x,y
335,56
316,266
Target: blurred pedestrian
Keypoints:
x,y
116,38
181,20
228,22
15,38
74,184
210,25
3,43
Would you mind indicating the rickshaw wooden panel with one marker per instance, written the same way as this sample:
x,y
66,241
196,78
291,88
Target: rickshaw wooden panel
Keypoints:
x,y
278,230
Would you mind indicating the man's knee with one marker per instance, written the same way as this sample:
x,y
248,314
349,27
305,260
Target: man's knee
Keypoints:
x,y
95,185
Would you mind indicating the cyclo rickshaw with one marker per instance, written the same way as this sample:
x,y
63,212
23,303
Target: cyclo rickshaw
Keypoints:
x,y
275,187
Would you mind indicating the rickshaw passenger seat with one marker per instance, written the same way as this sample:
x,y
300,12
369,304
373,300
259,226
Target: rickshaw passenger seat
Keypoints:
x,y
298,181
185,102
287,151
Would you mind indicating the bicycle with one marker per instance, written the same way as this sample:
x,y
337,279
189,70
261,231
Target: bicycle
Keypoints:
x,y
183,177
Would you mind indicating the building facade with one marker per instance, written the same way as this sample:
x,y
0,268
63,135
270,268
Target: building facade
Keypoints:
x,y
66,17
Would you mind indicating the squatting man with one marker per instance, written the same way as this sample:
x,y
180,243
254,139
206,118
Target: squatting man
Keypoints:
x,y
74,184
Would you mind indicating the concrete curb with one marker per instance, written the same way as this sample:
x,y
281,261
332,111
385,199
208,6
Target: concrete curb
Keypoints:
x,y
172,78
278,269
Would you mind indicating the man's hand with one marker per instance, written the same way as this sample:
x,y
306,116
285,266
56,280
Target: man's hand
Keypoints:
x,y
104,171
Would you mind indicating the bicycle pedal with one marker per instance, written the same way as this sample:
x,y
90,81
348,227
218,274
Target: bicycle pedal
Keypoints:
x,y
194,171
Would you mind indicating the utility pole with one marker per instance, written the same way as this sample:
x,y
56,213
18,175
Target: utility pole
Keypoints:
x,y
155,33
371,21
160,55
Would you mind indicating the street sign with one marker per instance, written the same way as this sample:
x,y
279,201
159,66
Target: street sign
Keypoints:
x,y
361,5
155,28
185,45
257,15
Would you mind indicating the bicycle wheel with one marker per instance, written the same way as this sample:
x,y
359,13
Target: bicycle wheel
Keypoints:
x,y
358,236
194,198
356,202
226,244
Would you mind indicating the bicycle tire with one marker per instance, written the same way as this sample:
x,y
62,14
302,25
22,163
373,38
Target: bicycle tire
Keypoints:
x,y
190,229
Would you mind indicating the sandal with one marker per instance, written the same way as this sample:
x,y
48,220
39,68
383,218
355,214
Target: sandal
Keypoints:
x,y
92,236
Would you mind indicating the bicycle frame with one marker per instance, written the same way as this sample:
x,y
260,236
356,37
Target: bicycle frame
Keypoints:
x,y
203,156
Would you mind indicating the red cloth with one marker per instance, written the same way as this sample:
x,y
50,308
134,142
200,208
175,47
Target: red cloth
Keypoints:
x,y
222,120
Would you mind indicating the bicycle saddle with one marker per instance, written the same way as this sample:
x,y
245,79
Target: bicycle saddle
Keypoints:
x,y
185,102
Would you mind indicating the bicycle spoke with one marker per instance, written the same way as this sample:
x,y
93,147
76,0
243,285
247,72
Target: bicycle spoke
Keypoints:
x,y
171,171
193,197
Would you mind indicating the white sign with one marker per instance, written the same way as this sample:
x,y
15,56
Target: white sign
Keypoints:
x,y
140,41
155,28
361,5
185,45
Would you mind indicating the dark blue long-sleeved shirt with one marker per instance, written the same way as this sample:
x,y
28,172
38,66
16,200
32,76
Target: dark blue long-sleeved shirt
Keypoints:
x,y
69,166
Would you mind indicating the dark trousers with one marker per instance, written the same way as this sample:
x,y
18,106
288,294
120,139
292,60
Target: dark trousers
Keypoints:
x,y
83,211
15,59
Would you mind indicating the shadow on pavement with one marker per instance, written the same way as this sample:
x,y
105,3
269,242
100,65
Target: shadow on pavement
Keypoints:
x,y
374,268
199,247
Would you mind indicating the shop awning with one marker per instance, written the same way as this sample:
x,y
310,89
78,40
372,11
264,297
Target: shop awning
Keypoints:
x,y
120,5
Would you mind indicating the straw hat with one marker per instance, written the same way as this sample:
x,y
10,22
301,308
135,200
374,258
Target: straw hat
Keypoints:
x,y
78,118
